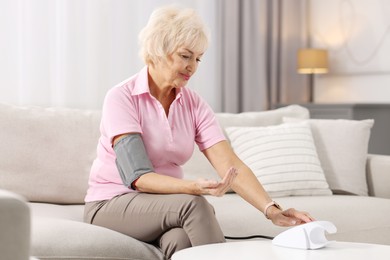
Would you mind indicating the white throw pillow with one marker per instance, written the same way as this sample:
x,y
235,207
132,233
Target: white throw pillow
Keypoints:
x,y
262,118
199,167
342,147
283,158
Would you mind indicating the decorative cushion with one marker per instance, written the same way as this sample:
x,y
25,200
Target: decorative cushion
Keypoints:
x,y
342,147
283,158
262,118
199,167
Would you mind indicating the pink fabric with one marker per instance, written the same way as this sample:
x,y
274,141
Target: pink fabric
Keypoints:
x,y
169,142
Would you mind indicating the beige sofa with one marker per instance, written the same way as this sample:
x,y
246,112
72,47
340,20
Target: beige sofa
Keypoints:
x,y
45,156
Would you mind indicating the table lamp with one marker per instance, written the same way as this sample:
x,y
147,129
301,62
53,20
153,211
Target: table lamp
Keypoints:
x,y
312,61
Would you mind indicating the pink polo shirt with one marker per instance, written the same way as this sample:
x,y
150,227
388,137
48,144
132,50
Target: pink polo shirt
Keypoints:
x,y
169,141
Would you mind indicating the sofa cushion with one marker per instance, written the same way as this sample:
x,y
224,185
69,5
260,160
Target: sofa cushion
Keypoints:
x,y
199,167
357,218
49,210
342,147
283,158
262,118
65,239
46,153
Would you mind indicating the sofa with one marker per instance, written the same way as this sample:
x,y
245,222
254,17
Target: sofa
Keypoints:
x,y
46,154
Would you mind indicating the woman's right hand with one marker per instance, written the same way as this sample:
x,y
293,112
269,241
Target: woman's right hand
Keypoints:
x,y
217,188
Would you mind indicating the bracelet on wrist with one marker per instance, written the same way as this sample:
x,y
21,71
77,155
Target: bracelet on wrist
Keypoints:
x,y
272,203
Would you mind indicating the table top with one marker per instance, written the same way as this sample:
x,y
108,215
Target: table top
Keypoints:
x,y
263,249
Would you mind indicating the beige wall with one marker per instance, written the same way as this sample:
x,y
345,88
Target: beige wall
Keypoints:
x,y
357,35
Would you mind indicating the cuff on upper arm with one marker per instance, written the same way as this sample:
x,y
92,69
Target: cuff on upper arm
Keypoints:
x,y
132,160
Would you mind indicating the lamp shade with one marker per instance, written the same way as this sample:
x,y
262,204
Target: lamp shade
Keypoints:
x,y
312,61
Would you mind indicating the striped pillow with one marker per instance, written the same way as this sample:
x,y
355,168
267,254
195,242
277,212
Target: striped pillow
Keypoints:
x,y
283,158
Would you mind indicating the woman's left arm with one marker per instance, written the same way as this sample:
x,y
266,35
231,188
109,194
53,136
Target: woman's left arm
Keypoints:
x,y
246,184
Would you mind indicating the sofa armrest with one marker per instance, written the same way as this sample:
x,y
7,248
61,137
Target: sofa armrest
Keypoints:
x,y
378,175
14,227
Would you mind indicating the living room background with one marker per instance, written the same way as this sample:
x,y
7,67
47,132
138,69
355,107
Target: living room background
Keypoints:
x,y
69,52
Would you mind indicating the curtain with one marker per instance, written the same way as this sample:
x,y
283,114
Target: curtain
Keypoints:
x,y
293,88
243,63
259,41
70,52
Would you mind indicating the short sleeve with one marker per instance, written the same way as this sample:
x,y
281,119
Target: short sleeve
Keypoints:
x,y
207,129
120,113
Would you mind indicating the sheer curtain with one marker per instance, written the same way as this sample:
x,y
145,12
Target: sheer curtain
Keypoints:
x,y
260,39
70,52
291,86
243,63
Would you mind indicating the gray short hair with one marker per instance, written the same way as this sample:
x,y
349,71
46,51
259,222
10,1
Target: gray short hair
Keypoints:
x,y
168,29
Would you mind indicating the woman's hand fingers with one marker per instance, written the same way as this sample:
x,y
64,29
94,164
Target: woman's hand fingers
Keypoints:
x,y
220,188
291,217
227,181
300,216
230,177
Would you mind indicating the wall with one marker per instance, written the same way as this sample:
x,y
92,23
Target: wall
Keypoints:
x,y
357,35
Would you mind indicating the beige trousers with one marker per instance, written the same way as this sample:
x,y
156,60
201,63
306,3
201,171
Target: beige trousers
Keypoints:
x,y
171,222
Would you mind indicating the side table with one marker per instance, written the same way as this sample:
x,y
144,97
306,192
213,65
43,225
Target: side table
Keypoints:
x,y
263,249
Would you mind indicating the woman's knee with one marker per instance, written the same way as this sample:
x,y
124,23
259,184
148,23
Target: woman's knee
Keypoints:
x,y
200,205
174,240
200,222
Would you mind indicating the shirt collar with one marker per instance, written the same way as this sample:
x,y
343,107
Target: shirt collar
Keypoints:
x,y
142,85
179,95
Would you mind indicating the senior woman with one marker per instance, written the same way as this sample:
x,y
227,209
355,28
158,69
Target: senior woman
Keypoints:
x,y
149,125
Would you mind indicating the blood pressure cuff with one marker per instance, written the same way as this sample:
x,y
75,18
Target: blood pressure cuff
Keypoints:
x,y
132,160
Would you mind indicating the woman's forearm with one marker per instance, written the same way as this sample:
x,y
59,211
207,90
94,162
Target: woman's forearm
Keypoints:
x,y
246,183
155,183
162,184
249,188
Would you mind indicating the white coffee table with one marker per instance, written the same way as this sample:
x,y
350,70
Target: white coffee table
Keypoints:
x,y
263,249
